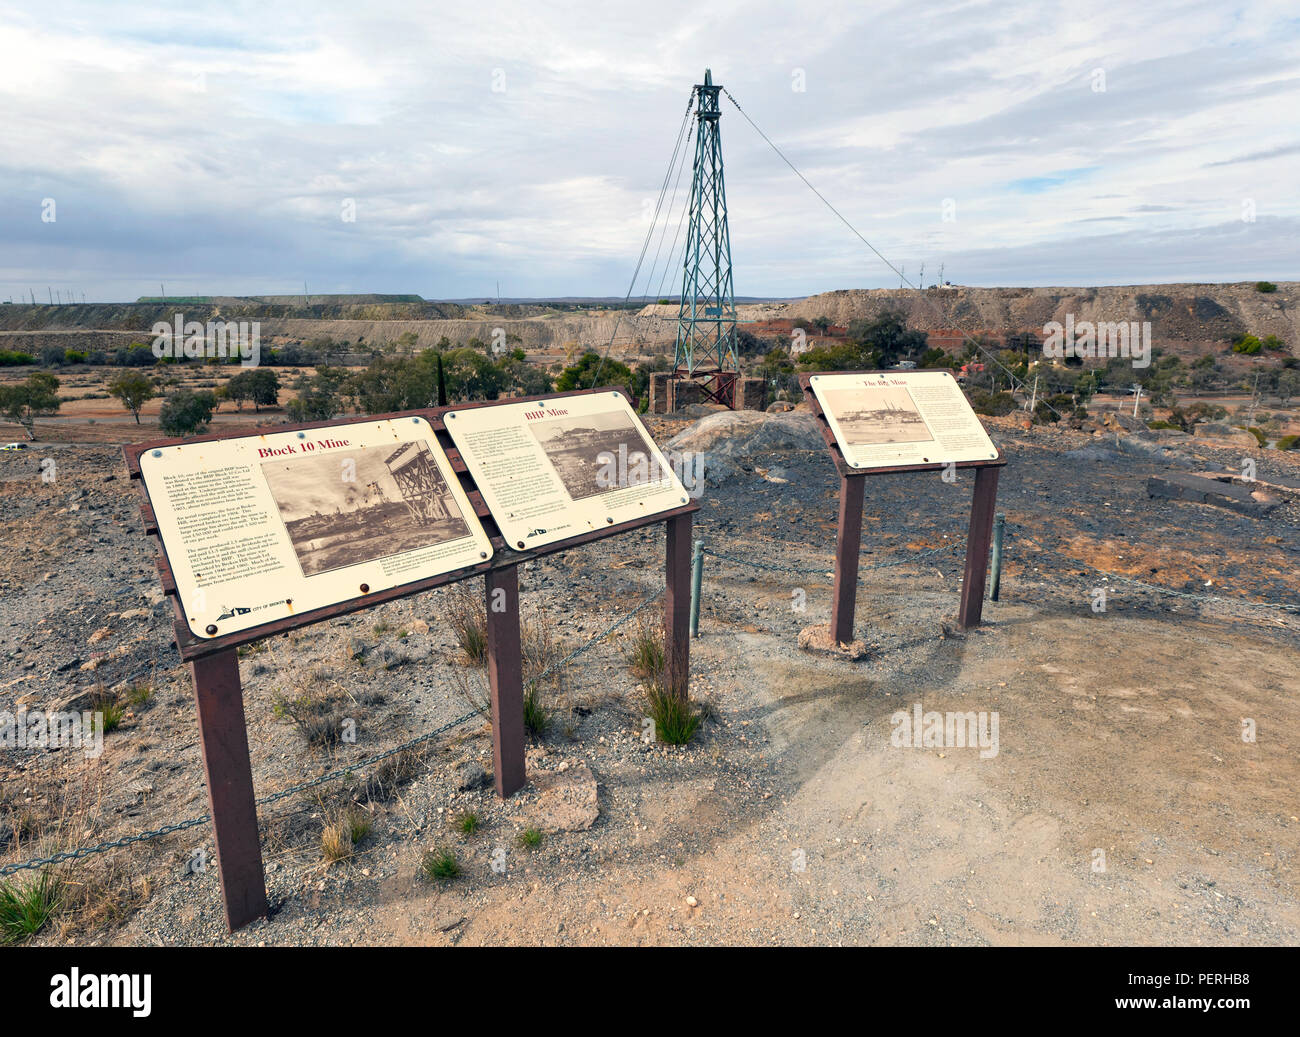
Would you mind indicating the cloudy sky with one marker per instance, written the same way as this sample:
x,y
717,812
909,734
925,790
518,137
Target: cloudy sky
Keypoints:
x,y
218,148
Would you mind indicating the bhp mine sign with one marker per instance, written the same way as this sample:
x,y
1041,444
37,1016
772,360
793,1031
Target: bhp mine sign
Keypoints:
x,y
265,527
559,467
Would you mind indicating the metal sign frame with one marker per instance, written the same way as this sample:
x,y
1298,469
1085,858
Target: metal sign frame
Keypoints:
x,y
848,543
214,664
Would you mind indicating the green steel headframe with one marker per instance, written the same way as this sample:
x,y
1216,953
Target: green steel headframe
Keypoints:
x,y
706,319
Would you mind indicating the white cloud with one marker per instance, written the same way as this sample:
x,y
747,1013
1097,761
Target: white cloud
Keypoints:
x,y
213,146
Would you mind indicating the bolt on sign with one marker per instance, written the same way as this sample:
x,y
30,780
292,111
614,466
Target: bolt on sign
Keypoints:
x,y
886,419
555,468
266,527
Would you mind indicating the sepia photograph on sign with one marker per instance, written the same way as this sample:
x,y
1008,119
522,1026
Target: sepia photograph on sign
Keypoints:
x,y
583,448
888,419
886,414
340,510
554,467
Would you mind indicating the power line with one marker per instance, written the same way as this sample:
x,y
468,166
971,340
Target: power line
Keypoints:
x,y
1014,381
663,190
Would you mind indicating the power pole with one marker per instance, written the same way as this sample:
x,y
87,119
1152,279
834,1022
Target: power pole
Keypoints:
x,y
920,281
1254,402
1137,397
902,276
1033,399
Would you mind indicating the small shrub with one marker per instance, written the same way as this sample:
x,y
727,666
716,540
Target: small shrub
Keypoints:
x,y
1288,442
440,865
646,657
675,720
334,843
994,404
26,909
139,694
468,618
537,718
341,836
530,838
108,709
318,716
1267,287
468,822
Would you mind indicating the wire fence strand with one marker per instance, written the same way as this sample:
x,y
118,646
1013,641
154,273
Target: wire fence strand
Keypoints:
x,y
370,761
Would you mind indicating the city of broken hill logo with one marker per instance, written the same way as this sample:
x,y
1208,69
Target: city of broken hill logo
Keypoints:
x,y
227,612
535,533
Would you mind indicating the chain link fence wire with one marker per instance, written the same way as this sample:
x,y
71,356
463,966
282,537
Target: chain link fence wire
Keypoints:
x,y
825,569
334,775
293,790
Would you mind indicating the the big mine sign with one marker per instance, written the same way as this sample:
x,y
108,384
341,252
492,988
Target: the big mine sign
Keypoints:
x,y
261,534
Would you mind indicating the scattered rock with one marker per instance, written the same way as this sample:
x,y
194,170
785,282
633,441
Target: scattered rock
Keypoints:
x,y
1224,494
469,775
1118,419
747,433
818,641
1225,435
79,701
566,801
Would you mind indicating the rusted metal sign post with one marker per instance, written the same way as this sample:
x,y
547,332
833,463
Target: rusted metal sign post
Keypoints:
x,y
214,665
848,545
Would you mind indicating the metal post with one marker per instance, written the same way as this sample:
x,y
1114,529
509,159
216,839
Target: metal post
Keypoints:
x,y
677,605
848,547
977,547
697,576
995,579
505,679
229,771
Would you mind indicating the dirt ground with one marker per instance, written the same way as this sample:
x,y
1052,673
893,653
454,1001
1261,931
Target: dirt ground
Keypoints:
x,y
1122,806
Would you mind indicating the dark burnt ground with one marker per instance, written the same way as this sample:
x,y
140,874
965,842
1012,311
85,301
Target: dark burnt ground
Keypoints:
x,y
1074,504
80,608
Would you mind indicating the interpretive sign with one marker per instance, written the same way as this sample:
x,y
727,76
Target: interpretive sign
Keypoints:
x,y
265,527
555,468
266,532
884,419
885,422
